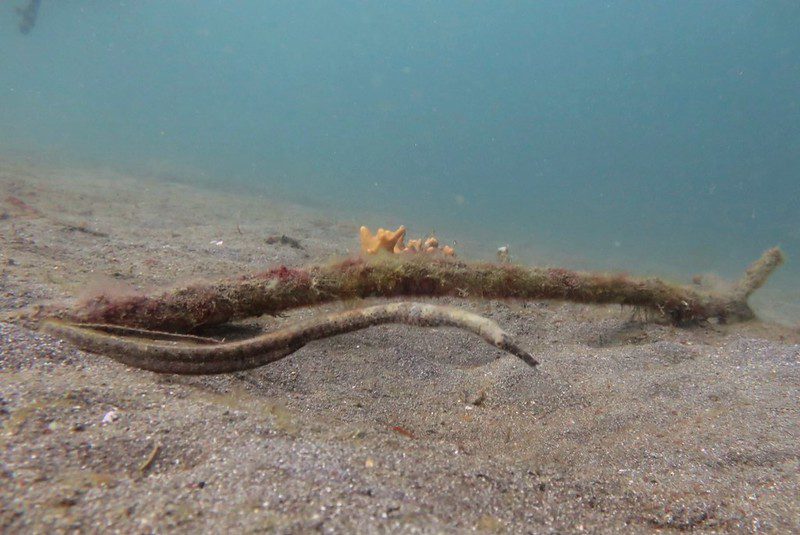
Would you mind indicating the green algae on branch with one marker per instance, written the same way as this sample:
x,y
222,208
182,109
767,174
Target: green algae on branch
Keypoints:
x,y
283,288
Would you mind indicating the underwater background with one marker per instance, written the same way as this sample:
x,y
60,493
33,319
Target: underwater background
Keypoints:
x,y
655,137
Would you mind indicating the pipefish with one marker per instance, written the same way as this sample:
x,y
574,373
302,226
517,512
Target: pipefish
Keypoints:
x,y
191,355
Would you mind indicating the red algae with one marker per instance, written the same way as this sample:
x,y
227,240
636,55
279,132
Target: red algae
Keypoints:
x,y
284,274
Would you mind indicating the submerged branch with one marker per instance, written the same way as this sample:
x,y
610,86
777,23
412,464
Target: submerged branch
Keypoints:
x,y
757,274
151,351
279,289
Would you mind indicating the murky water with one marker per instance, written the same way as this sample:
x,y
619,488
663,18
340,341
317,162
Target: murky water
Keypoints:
x,y
656,137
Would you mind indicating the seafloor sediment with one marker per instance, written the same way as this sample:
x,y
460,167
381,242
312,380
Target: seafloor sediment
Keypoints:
x,y
625,425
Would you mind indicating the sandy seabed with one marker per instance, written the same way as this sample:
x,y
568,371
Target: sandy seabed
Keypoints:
x,y
626,426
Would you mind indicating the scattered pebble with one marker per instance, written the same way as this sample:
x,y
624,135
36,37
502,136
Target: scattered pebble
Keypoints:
x,y
111,416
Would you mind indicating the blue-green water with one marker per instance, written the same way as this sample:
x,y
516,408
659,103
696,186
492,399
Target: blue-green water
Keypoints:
x,y
663,137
